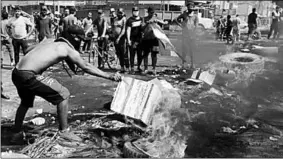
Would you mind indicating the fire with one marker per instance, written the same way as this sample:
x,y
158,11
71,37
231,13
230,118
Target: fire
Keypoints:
x,y
170,128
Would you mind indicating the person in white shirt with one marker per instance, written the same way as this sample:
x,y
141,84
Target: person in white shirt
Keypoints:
x,y
87,23
236,28
275,23
18,32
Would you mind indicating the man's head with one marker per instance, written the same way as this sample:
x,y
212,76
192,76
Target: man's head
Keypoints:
x,y
120,13
74,34
57,14
190,6
112,12
254,10
73,10
66,12
135,11
100,13
89,15
5,15
43,10
150,11
18,11
228,16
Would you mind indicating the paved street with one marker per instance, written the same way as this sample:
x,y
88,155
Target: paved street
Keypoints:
x,y
92,93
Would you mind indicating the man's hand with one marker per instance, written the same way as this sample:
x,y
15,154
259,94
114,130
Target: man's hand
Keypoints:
x,y
116,77
156,20
117,40
129,42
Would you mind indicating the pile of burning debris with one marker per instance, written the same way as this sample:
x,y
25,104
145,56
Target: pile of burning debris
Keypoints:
x,y
147,119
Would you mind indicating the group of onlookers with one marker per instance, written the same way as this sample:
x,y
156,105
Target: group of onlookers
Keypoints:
x,y
230,27
130,36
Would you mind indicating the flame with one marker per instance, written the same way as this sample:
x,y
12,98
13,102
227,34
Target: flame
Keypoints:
x,y
170,128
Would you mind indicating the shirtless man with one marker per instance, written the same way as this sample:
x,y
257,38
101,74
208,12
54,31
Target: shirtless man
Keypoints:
x,y
118,26
29,82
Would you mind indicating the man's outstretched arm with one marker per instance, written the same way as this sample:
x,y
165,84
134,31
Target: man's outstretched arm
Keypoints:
x,y
75,57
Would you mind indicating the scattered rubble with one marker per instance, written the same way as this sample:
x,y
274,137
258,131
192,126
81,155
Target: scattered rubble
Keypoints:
x,y
39,111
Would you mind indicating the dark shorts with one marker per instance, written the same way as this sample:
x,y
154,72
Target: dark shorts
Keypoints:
x,y
29,84
151,46
252,28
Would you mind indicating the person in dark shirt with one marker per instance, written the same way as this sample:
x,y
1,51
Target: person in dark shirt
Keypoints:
x,y
229,27
252,22
43,25
134,36
150,42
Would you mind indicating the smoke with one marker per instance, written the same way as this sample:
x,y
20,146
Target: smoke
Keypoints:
x,y
170,128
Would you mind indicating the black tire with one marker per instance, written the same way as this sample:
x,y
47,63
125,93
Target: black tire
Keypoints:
x,y
130,151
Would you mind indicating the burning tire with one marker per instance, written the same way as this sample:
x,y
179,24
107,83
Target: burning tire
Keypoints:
x,y
243,61
130,151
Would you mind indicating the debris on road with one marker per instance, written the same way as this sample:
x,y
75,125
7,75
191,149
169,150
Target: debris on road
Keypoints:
x,y
39,111
13,155
37,121
265,51
273,138
228,130
195,102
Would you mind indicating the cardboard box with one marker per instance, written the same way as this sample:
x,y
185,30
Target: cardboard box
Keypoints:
x,y
136,99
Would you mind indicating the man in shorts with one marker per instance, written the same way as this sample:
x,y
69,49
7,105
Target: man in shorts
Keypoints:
x,y
150,42
29,82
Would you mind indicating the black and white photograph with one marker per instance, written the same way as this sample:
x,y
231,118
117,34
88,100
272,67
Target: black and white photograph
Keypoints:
x,y
141,79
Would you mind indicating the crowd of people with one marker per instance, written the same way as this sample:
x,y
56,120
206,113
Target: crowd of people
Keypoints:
x,y
230,29
129,35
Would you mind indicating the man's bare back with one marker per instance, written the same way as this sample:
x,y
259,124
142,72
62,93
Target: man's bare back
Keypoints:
x,y
44,55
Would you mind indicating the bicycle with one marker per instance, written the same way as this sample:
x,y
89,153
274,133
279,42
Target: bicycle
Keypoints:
x,y
109,56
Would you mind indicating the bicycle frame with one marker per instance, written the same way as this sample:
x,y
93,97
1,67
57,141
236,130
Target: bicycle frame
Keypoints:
x,y
106,57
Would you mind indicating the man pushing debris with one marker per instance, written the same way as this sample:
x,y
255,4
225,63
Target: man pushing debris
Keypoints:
x,y
27,77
